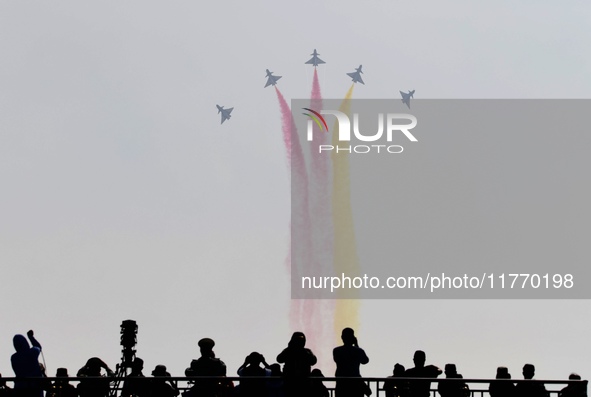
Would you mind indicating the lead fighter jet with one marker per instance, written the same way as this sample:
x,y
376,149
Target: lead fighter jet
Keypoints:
x,y
406,97
225,113
315,61
271,80
356,75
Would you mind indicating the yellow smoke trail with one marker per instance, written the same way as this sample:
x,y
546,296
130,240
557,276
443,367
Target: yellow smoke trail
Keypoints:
x,y
345,251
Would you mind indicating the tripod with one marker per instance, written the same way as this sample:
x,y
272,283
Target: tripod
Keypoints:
x,y
128,342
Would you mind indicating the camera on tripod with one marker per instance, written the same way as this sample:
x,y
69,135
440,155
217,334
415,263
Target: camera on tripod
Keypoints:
x,y
128,342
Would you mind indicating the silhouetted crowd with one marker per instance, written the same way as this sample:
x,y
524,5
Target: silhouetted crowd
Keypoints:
x,y
297,378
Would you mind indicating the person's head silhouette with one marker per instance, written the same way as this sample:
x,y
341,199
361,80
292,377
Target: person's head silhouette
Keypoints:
x,y
348,336
419,359
94,366
399,370
160,370
298,340
255,359
450,370
317,373
574,376
503,373
206,347
137,365
61,373
529,371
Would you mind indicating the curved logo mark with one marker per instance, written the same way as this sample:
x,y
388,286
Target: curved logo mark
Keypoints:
x,y
317,117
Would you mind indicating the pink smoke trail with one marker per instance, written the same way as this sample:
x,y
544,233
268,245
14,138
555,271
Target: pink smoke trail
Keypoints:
x,y
287,123
302,312
320,187
322,225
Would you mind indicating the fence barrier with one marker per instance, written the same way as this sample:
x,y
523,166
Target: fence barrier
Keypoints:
x,y
477,387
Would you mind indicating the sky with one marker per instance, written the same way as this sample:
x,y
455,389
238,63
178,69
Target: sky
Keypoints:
x,y
124,198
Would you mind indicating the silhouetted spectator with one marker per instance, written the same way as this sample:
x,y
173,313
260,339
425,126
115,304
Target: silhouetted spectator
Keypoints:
x,y
252,367
135,385
275,386
453,388
574,389
5,391
421,388
317,387
25,363
62,387
207,365
298,365
396,388
503,387
530,389
348,359
160,386
94,387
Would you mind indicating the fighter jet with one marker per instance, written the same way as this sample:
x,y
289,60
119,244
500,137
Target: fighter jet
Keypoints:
x,y
406,97
225,113
356,75
315,61
271,80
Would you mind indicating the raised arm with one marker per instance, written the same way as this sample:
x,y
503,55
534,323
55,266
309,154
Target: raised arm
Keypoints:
x,y
34,342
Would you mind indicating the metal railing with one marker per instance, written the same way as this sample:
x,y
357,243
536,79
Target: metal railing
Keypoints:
x,y
478,387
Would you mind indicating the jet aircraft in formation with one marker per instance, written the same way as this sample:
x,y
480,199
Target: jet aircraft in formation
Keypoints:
x,y
271,80
225,113
315,61
356,75
406,97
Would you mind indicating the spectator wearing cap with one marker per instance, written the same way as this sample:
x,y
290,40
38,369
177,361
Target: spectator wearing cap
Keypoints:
x,y
160,386
454,387
62,386
207,365
502,386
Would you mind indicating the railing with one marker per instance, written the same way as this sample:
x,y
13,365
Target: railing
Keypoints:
x,y
478,387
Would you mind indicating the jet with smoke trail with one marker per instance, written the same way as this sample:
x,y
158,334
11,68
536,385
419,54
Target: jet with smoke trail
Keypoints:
x,y
271,80
356,75
315,61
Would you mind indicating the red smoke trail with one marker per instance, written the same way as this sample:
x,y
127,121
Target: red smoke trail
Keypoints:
x,y
302,312
320,189
287,123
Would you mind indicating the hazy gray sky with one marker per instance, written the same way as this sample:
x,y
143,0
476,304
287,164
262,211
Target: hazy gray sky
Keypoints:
x,y
122,196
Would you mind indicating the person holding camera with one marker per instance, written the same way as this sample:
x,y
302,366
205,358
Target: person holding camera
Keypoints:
x,y
348,358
